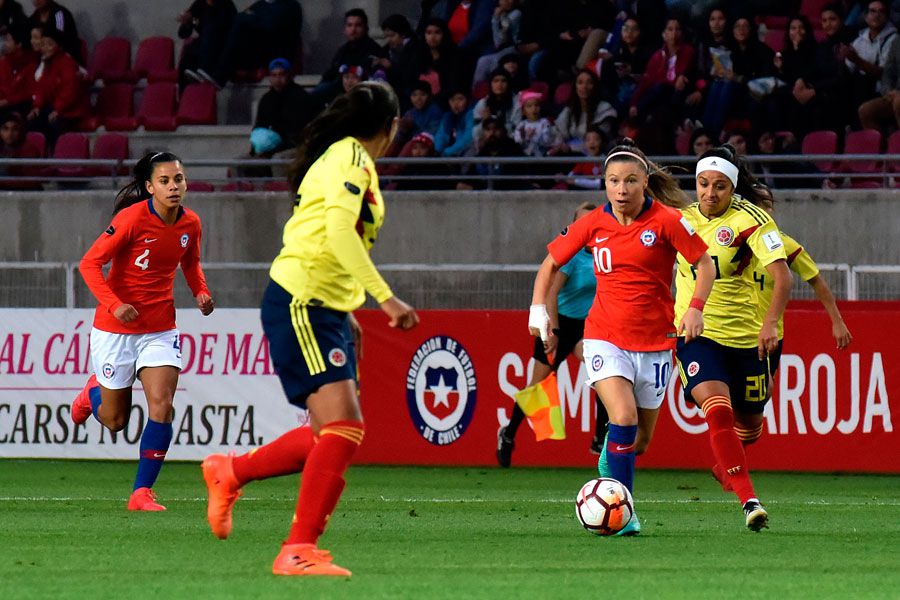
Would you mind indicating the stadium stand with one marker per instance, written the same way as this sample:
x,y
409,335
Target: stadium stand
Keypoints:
x,y
155,60
110,60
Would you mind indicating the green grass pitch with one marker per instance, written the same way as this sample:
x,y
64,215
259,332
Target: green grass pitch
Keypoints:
x,y
447,533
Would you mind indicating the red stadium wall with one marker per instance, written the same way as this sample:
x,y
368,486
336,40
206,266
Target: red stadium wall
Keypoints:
x,y
831,411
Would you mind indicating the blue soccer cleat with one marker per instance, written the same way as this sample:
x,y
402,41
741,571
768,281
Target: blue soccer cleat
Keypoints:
x,y
602,464
633,527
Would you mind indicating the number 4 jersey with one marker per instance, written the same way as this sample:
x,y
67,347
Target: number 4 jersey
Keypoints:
x,y
633,307
145,253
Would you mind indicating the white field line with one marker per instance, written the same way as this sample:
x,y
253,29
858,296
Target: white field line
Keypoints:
x,y
462,500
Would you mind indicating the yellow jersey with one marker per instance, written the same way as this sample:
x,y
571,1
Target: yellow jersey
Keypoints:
x,y
738,236
800,262
337,214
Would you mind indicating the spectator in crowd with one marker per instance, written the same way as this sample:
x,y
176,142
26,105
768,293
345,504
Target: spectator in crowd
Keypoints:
x,y
883,112
494,141
351,75
666,91
17,66
52,14
715,74
36,36
518,75
204,27
499,103
400,55
794,62
424,114
770,143
454,136
422,146
505,26
469,23
286,108
738,141
589,175
15,144
60,99
700,142
585,108
752,61
534,133
624,64
866,56
823,96
358,50
439,64
267,29
12,15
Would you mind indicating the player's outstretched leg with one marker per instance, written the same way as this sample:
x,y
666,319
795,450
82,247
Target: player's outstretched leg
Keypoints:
x,y
321,487
154,444
755,515
87,402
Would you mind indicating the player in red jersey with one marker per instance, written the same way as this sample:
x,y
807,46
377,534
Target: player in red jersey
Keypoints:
x,y
134,333
628,335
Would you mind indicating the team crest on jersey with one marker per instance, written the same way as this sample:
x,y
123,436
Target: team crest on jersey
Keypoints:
x,y
693,368
184,240
440,390
648,237
108,370
597,362
337,357
724,235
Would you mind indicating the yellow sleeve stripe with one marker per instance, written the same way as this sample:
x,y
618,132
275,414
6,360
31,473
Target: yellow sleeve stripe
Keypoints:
x,y
306,338
354,434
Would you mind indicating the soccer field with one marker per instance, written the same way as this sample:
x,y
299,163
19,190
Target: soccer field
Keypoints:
x,y
447,533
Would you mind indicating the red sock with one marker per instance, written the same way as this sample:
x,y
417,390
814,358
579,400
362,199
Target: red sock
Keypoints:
x,y
323,479
726,446
282,456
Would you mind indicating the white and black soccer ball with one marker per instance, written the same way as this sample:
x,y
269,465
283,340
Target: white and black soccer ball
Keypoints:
x,y
604,506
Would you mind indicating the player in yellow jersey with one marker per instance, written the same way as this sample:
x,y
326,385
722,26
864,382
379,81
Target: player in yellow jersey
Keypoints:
x,y
321,274
725,370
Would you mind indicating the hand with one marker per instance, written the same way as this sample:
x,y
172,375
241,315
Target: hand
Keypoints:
x,y
52,117
691,325
778,61
694,98
356,332
33,113
566,36
184,18
768,340
551,344
205,303
604,54
400,313
841,335
539,321
125,313
584,32
680,82
729,75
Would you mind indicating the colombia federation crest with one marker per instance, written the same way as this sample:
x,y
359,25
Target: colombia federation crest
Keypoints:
x,y
441,389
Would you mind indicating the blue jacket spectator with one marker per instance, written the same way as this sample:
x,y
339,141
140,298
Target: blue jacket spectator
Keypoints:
x,y
425,115
454,135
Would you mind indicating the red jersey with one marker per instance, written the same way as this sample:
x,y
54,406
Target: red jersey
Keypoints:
x,y
633,308
145,252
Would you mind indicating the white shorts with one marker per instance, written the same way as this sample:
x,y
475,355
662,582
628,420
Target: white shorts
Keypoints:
x,y
648,372
117,357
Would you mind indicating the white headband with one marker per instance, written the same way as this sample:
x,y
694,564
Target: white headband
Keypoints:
x,y
626,153
722,165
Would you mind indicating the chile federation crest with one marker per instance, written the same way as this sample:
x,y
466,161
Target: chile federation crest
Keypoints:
x,y
441,390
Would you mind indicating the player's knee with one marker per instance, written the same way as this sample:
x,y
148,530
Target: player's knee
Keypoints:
x,y
115,423
161,410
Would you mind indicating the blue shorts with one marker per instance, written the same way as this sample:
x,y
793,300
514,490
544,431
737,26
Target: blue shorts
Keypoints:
x,y
310,345
739,368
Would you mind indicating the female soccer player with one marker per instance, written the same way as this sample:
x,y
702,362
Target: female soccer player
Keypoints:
x,y
568,303
628,335
320,276
134,333
725,371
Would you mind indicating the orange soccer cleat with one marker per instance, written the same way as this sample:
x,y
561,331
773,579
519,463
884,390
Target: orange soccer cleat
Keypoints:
x,y
81,405
306,559
223,491
144,499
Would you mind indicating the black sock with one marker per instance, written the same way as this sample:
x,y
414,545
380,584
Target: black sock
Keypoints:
x,y
514,421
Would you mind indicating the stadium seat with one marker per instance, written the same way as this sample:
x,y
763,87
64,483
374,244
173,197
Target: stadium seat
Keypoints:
x,y
70,145
820,142
157,109
111,60
867,141
480,90
238,186
110,146
37,139
812,10
562,94
155,60
115,107
197,105
276,186
542,87
893,147
200,186
773,21
775,39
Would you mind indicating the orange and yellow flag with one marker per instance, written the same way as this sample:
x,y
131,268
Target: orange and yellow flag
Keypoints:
x,y
540,403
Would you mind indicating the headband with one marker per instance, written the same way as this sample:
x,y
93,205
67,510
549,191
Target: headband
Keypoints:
x,y
626,153
722,165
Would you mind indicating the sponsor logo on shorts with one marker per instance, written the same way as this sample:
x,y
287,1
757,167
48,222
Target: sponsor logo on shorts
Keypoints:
x,y
724,235
693,368
108,370
441,390
648,237
596,363
337,357
184,240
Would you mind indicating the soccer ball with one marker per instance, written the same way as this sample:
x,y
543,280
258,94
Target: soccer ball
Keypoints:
x,y
604,506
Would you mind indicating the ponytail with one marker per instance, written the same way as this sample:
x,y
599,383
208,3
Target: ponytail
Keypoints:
x,y
136,191
369,108
748,186
662,186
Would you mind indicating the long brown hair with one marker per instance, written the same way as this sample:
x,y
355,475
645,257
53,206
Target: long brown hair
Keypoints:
x,y
660,183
